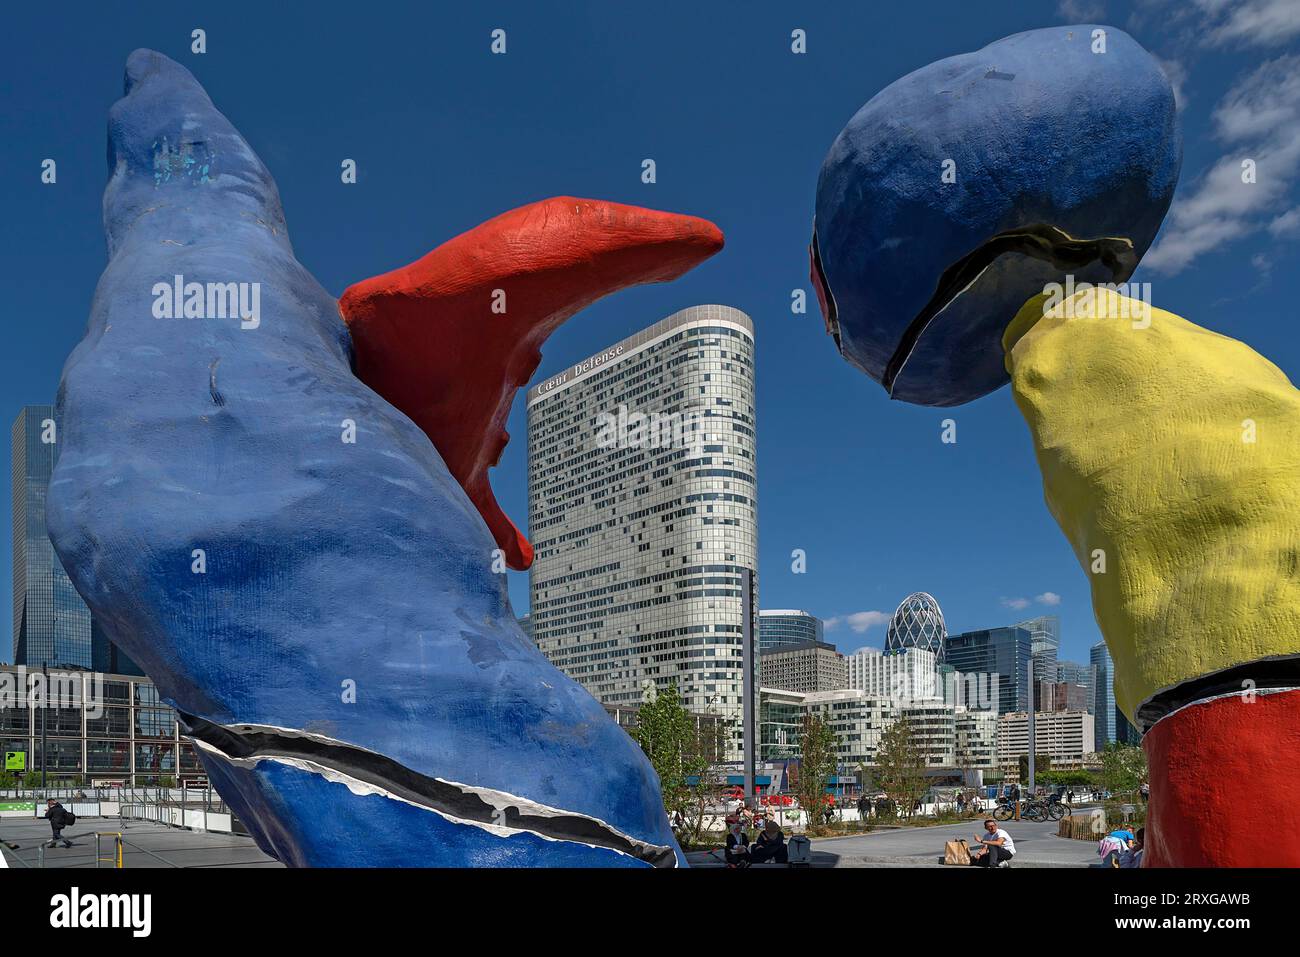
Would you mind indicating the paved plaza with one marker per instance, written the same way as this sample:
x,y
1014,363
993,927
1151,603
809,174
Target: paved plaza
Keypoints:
x,y
1037,845
156,845
148,845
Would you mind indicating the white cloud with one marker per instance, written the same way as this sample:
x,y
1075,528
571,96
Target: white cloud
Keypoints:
x,y
859,621
1177,76
1257,120
1016,603
1082,11
1288,224
1254,23
1047,598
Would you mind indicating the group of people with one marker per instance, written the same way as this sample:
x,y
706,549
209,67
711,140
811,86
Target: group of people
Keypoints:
x,y
769,845
1122,848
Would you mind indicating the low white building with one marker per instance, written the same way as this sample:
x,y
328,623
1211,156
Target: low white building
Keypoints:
x,y
858,720
1066,737
905,675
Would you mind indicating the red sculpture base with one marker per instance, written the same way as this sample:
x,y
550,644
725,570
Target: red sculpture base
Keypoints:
x,y
1224,779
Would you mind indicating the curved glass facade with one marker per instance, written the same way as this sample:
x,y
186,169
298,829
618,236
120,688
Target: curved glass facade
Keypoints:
x,y
917,623
642,512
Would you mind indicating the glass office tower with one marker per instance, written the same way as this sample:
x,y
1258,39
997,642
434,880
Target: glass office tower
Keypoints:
x,y
787,626
642,512
1004,652
52,625
1045,640
1103,691
51,622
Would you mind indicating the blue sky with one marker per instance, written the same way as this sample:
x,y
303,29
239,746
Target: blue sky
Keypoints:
x,y
446,135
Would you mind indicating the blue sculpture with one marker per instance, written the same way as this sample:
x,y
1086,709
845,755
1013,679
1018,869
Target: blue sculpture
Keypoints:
x,y
287,555
961,190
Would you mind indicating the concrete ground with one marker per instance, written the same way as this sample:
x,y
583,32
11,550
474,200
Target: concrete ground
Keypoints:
x,y
173,847
1036,846
155,845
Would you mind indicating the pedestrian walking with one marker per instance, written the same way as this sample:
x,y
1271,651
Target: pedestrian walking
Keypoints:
x,y
59,818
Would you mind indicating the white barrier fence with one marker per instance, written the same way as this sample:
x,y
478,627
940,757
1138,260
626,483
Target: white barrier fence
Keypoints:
x,y
173,807
196,819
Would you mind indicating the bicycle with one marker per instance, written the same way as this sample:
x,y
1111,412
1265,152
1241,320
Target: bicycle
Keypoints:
x,y
1059,809
1035,811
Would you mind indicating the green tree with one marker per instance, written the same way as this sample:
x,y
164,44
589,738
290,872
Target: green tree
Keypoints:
x,y
900,766
1042,763
1123,768
818,762
1071,779
682,757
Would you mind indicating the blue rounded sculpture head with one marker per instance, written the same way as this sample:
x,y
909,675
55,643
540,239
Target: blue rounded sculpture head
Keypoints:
x,y
963,189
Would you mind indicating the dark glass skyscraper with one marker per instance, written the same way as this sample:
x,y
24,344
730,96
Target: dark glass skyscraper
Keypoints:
x,y
787,627
52,625
1103,708
1004,652
1045,638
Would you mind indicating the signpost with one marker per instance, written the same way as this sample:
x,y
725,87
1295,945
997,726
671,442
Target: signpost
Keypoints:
x,y
16,761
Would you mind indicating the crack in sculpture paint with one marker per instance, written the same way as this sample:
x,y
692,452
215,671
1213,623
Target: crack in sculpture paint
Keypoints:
x,y
503,813
1036,240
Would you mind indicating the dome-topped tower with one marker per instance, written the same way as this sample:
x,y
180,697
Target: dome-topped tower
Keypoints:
x,y
917,623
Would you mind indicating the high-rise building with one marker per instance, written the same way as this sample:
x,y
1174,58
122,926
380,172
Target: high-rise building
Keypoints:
x,y
998,657
1073,673
52,625
917,622
1125,732
787,627
1045,643
1103,695
807,667
1061,696
51,622
643,512
908,674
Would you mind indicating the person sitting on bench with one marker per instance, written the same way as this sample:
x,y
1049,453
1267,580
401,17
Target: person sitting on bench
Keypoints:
x,y
737,850
770,845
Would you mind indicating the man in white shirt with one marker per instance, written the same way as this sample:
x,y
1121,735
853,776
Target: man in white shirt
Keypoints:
x,y
998,847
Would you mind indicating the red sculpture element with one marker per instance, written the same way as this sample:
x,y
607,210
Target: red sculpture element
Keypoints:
x,y
449,338
1223,783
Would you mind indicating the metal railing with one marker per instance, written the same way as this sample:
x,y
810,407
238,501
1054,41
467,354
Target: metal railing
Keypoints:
x,y
116,859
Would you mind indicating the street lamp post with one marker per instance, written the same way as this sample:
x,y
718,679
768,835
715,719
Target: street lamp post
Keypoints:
x,y
45,699
1033,738
747,682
